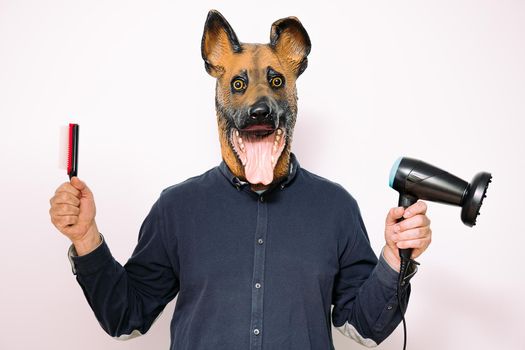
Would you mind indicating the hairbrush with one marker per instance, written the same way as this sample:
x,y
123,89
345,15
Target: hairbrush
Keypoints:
x,y
72,151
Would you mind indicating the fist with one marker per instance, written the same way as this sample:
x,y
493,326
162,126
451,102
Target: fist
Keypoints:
x,y
413,232
73,212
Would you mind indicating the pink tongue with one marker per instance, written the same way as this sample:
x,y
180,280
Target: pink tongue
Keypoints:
x,y
259,168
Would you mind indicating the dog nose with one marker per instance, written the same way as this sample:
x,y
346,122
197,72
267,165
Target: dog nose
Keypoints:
x,y
259,112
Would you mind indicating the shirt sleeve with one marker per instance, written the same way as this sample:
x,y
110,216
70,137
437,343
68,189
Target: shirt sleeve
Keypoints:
x,y
365,291
127,299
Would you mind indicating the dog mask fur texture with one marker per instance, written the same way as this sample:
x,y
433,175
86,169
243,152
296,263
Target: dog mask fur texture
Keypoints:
x,y
256,96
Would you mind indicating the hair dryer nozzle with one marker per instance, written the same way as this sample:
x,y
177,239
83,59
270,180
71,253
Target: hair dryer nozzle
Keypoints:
x,y
474,198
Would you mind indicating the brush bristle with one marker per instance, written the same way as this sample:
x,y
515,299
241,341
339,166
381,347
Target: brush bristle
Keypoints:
x,y
70,150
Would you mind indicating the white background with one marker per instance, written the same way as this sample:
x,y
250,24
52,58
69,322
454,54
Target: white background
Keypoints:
x,y
443,81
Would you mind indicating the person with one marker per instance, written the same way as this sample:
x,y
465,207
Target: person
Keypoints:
x,y
215,271
257,249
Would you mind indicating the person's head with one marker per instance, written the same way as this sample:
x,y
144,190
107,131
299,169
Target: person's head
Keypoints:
x,y
256,97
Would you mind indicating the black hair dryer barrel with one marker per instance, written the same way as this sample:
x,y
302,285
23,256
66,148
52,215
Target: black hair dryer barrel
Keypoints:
x,y
415,179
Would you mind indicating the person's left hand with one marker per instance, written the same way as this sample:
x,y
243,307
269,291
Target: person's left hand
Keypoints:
x,y
413,232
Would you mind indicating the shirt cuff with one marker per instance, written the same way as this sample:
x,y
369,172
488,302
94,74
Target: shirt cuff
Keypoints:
x,y
388,275
90,262
383,257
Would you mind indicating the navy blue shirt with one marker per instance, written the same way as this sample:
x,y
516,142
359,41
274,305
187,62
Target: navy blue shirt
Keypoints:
x,y
250,271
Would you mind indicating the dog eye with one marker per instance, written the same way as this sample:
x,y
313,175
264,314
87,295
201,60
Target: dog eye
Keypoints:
x,y
276,82
238,85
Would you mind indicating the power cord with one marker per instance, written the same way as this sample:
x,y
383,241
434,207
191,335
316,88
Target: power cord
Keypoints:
x,y
403,270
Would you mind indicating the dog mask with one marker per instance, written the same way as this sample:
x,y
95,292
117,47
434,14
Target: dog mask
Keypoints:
x,y
256,97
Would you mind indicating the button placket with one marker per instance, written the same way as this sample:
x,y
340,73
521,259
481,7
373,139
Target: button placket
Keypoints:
x,y
258,275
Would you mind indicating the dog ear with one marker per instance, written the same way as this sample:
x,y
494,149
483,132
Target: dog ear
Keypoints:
x,y
219,42
291,42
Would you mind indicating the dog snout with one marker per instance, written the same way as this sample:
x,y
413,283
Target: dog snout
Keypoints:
x,y
259,113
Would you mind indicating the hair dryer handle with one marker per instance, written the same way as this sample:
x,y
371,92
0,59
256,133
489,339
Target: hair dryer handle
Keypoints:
x,y
405,201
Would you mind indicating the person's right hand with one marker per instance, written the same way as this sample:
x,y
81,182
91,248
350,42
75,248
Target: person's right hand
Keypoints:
x,y
73,214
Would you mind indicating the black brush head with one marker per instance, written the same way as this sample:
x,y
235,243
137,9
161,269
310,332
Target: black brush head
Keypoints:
x,y
473,198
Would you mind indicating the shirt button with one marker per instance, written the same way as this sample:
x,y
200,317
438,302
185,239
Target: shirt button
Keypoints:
x,y
260,241
256,331
389,307
261,198
257,285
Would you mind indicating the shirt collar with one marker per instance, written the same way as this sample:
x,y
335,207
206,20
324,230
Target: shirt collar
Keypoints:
x,y
234,180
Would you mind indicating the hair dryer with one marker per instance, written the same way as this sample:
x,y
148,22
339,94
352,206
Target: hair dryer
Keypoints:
x,y
415,179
